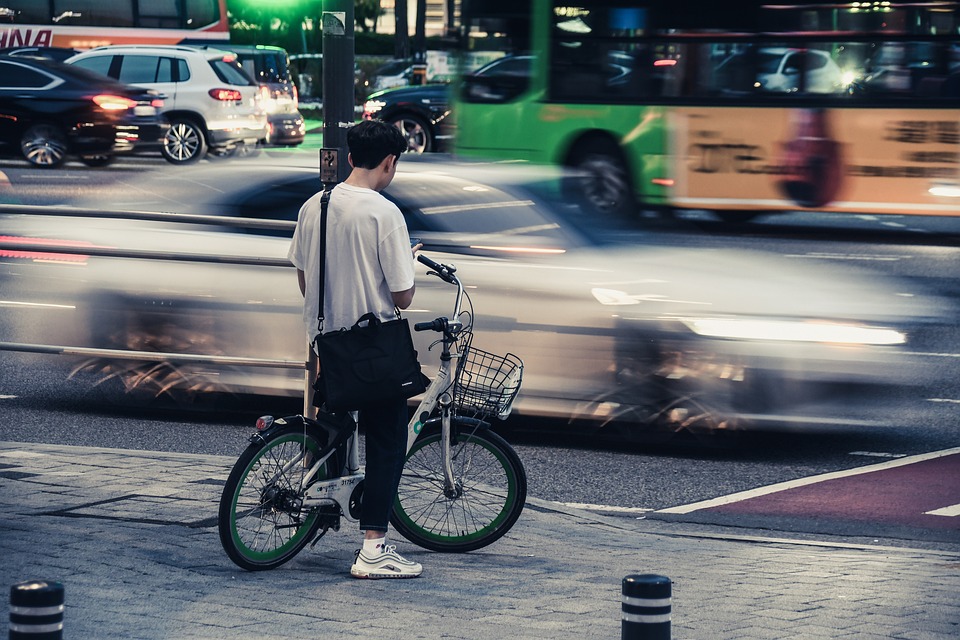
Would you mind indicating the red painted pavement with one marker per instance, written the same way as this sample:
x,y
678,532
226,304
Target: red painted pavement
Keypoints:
x,y
900,495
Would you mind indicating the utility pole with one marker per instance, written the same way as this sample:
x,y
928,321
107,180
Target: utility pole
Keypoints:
x,y
338,80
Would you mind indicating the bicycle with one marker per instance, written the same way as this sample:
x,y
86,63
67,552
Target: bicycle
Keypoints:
x,y
463,486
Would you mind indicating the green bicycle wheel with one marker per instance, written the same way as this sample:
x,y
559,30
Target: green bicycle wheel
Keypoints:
x,y
489,493
261,521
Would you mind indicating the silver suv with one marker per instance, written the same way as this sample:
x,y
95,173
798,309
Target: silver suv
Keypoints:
x,y
211,103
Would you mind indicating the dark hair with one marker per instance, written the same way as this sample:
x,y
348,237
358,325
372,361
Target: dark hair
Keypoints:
x,y
371,141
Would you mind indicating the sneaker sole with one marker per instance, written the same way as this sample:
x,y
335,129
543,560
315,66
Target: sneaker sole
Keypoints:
x,y
382,576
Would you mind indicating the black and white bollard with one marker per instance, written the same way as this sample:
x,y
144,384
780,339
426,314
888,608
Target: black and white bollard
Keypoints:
x,y
36,610
645,608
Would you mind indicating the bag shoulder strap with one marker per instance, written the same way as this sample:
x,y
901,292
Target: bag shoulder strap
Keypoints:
x,y
324,203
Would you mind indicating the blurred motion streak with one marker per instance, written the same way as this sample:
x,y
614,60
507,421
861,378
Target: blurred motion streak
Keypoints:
x,y
614,329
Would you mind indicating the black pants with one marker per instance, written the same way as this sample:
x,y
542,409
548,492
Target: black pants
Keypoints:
x,y
386,450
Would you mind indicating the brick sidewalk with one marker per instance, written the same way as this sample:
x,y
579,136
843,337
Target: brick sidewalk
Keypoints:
x,y
132,536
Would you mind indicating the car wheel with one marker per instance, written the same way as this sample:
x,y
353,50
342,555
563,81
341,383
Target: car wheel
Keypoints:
x,y
96,161
184,142
416,131
602,181
44,145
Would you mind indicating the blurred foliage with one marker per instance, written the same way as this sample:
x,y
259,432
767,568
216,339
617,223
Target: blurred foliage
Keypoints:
x,y
295,25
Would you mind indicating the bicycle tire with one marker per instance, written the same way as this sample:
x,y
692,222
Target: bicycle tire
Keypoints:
x,y
490,495
259,526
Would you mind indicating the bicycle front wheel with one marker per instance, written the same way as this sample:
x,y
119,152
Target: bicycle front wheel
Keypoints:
x,y
489,493
262,521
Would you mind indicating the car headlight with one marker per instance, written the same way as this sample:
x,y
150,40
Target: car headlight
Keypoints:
x,y
793,331
373,106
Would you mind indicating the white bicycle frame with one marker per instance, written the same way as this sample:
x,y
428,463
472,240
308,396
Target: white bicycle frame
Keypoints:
x,y
337,491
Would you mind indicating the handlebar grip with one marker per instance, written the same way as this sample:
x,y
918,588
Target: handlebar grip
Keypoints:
x,y
423,326
430,263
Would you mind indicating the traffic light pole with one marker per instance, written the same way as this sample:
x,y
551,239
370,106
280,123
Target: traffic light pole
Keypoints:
x,y
338,79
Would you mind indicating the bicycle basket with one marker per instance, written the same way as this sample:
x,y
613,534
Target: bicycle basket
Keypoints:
x,y
486,383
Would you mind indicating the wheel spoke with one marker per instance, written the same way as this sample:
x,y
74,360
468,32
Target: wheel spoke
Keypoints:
x,y
489,491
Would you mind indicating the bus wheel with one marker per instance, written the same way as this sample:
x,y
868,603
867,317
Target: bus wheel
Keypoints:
x,y
601,178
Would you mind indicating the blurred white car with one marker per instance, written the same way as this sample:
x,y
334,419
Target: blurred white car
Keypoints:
x,y
788,70
637,333
780,70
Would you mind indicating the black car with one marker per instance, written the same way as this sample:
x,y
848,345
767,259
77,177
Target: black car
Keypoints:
x,y
422,112
49,110
60,54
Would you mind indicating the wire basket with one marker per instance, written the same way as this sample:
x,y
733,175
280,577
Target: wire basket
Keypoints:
x,y
486,383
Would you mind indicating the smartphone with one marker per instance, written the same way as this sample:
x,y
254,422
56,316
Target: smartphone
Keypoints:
x,y
415,241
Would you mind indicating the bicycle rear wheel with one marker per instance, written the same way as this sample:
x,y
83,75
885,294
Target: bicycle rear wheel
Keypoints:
x,y
261,521
490,491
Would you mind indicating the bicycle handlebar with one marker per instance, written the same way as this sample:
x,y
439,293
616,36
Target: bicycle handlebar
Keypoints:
x,y
446,273
443,271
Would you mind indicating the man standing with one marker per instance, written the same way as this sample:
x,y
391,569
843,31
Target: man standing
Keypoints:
x,y
369,268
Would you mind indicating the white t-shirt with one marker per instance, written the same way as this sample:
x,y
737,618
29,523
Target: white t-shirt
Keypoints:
x,y
368,256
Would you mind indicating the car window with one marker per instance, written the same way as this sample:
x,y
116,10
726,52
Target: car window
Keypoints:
x,y
139,69
815,61
183,70
15,76
273,68
97,64
231,72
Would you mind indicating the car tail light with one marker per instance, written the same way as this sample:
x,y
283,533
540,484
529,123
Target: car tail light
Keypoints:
x,y
226,95
114,103
296,97
156,102
43,256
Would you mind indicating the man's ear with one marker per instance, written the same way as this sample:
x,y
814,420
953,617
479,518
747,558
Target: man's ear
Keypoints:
x,y
350,159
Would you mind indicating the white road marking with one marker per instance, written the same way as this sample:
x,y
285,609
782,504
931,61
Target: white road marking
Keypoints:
x,y
802,482
951,511
878,454
946,400
604,507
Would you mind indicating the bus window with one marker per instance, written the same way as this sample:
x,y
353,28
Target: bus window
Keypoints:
x,y
93,13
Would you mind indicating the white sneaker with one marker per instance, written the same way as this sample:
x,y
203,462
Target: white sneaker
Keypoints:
x,y
385,562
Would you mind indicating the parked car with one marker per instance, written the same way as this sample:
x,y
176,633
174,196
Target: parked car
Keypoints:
x,y
212,104
396,73
423,112
49,110
420,112
270,67
634,332
60,54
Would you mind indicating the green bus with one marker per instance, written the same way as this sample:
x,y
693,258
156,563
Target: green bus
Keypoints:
x,y
741,108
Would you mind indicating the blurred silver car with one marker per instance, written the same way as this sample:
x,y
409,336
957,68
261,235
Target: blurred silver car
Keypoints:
x,y
609,330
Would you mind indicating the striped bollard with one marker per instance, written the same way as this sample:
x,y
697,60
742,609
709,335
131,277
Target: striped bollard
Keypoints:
x,y
645,608
36,611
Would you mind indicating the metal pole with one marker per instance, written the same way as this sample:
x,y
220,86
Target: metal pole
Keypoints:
x,y
338,86
645,608
338,117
